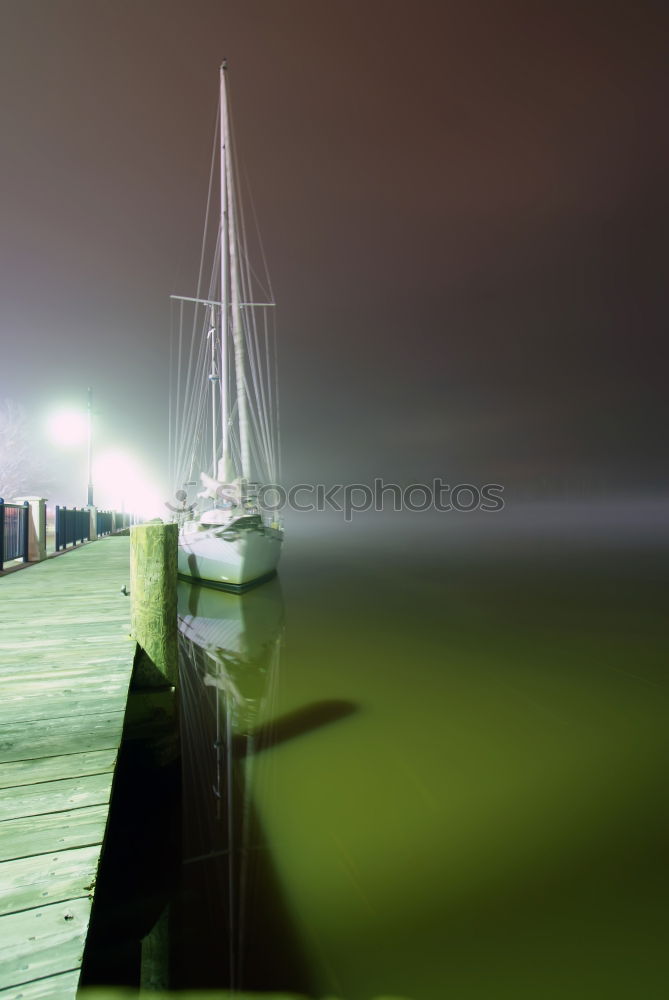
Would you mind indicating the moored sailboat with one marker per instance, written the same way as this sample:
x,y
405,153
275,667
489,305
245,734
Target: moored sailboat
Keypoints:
x,y
225,410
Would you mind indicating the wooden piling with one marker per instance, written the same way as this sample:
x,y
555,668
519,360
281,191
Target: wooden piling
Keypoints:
x,y
153,593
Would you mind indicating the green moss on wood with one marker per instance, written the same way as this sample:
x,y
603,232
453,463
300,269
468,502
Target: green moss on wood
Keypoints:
x,y
153,590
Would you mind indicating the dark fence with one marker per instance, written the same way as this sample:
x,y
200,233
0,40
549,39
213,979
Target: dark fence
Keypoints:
x,y
14,528
72,526
105,522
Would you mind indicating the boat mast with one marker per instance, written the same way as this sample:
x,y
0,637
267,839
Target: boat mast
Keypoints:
x,y
224,283
237,332
213,379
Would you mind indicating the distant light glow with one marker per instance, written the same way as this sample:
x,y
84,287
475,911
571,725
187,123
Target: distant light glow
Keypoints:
x,y
68,428
121,483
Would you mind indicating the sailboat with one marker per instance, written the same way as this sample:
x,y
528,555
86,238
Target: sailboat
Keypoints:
x,y
225,400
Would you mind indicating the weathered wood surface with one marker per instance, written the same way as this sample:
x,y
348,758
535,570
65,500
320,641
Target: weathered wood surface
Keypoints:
x,y
48,878
71,765
52,988
53,796
65,665
153,588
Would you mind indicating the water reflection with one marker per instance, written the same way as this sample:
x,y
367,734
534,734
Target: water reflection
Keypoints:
x,y
231,927
232,644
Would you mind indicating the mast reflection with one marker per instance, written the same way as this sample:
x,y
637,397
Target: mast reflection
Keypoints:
x,y
230,649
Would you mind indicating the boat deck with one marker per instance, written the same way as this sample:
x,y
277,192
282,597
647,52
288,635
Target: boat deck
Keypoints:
x,y
65,666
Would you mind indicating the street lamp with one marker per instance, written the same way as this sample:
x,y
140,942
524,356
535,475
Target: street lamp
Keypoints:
x,y
90,446
70,428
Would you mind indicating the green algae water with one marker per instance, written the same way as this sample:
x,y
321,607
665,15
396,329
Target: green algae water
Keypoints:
x,y
428,763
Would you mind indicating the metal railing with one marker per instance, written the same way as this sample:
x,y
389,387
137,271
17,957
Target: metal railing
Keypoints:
x,y
20,530
105,522
14,531
72,525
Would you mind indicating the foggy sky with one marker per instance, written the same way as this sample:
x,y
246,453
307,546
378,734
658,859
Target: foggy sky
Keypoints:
x,y
463,210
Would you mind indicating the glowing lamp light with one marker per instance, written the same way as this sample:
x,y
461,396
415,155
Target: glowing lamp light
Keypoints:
x,y
68,428
121,483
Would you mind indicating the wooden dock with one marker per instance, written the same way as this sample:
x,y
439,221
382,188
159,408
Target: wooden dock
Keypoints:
x,y
65,666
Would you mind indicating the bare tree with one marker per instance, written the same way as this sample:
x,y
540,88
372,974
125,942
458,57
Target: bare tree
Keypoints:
x,y
21,472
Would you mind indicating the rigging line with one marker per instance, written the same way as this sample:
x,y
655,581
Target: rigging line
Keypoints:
x,y
257,402
194,415
259,460
232,402
205,230
263,445
241,252
270,393
274,342
170,433
231,841
263,423
188,388
265,283
267,375
255,443
254,351
279,470
250,322
193,393
245,839
235,451
181,414
178,413
209,192
195,456
261,245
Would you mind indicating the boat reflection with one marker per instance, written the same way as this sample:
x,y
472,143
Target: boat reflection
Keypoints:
x,y
230,649
233,924
231,642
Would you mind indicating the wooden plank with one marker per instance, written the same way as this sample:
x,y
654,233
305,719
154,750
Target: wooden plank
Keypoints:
x,y
23,741
62,704
65,664
71,765
15,647
61,682
55,686
50,632
21,838
99,607
61,987
47,878
57,655
43,941
94,664
35,637
54,796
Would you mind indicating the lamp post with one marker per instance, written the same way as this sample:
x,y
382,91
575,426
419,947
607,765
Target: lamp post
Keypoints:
x,y
71,428
90,446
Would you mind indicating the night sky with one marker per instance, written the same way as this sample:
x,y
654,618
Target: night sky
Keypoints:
x,y
463,208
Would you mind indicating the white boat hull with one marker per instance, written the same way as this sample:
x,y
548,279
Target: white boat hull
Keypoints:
x,y
227,625
244,557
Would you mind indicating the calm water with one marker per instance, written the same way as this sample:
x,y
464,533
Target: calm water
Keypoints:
x,y
440,770
430,761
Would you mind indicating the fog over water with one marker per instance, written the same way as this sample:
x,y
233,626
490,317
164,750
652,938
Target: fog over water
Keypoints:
x,y
463,212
